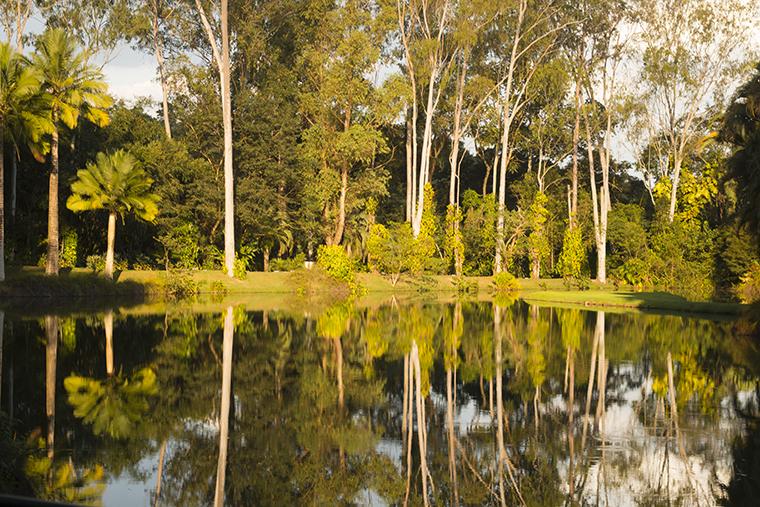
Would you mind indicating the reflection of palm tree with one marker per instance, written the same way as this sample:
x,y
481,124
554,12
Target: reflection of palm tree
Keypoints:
x,y
51,357
114,406
61,482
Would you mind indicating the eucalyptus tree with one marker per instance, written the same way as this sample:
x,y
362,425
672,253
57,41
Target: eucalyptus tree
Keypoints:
x,y
14,16
19,85
344,110
604,73
115,183
692,50
72,88
423,29
528,35
219,40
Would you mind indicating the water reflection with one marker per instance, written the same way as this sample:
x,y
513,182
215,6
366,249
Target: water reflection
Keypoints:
x,y
468,403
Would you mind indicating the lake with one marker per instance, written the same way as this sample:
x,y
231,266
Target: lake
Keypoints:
x,y
383,402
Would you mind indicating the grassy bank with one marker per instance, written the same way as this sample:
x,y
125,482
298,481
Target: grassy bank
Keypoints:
x,y
26,283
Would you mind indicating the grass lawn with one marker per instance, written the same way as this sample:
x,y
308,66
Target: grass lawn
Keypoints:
x,y
31,282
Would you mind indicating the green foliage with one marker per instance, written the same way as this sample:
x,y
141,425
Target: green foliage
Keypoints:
x,y
67,257
748,289
453,243
179,285
181,246
392,250
538,246
426,248
478,233
115,183
504,283
635,272
288,264
115,406
97,263
465,286
239,269
573,255
336,263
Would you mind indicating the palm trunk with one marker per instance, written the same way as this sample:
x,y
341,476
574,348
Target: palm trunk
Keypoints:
x,y
2,322
108,324
224,417
2,204
51,357
51,267
266,259
14,179
111,242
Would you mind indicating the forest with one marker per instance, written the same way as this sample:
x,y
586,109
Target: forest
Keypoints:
x,y
614,140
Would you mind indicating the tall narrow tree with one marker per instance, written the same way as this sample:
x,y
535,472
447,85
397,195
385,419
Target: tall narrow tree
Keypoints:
x,y
221,53
73,88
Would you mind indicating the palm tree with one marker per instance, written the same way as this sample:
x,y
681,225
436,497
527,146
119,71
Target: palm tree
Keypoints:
x,y
73,88
19,83
118,184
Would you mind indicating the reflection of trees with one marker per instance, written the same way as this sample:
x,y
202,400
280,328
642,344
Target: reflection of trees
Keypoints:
x,y
342,406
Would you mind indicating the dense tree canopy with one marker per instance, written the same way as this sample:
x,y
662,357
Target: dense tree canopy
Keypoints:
x,y
527,119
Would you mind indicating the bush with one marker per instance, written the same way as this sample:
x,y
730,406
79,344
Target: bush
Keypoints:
x,y
635,272
570,263
748,289
239,269
336,263
180,285
67,258
465,286
291,264
97,263
505,283
391,250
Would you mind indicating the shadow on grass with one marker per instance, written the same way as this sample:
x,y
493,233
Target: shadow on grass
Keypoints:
x,y
31,291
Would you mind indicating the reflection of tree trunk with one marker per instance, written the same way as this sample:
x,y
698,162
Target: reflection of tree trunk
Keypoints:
x,y
421,437
405,402
2,321
503,459
108,323
452,436
570,426
225,409
408,388
51,356
160,472
601,370
339,372
592,370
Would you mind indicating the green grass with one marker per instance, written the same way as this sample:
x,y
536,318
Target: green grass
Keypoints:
x,y
139,286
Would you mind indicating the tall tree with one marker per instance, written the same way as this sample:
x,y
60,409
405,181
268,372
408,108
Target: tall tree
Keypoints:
x,y
19,83
692,50
221,53
72,88
117,184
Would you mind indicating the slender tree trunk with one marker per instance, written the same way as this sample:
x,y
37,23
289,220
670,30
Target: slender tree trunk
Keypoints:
x,y
51,358
51,267
266,259
339,373
161,72
451,434
224,417
427,145
341,225
111,243
674,188
2,322
108,324
409,168
576,139
2,202
229,191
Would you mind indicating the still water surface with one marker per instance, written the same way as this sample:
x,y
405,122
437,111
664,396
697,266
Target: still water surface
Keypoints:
x,y
463,403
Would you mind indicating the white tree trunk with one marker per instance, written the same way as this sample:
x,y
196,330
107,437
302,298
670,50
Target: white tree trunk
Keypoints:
x,y
224,417
674,188
229,191
111,244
